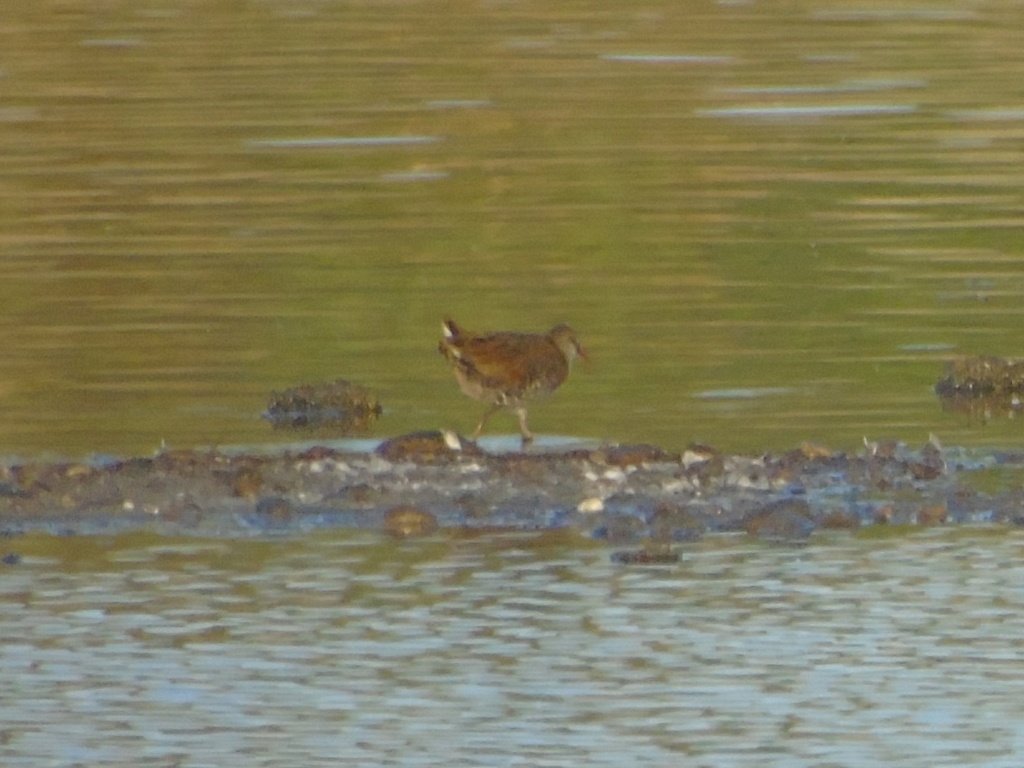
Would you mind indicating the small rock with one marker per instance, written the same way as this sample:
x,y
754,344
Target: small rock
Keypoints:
x,y
360,494
182,462
614,475
882,449
247,483
645,557
319,453
407,521
621,529
815,451
787,521
922,471
671,523
931,515
700,454
634,455
183,510
839,520
426,446
276,508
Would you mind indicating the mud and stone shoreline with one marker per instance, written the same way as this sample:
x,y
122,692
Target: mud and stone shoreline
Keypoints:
x,y
632,496
639,497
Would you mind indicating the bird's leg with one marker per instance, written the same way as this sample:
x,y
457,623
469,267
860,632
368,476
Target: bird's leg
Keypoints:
x,y
527,434
495,407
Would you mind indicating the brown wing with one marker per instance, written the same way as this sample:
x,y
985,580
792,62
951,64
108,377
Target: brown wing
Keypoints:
x,y
515,363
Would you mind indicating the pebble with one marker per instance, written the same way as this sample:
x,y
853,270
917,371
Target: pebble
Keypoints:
x,y
787,521
645,557
406,521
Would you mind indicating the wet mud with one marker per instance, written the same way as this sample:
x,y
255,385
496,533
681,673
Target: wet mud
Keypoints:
x,y
641,500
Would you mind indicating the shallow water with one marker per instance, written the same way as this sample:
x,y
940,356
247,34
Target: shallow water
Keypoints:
x,y
769,222
347,649
800,209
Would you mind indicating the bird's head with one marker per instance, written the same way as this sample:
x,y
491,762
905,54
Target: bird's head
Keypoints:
x,y
566,341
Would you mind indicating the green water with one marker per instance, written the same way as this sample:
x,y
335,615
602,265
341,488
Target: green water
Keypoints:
x,y
770,222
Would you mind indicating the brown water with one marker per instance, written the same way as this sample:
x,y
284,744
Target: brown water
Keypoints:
x,y
514,650
770,222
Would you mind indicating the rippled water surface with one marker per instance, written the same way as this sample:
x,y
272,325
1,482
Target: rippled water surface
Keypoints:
x,y
512,650
770,222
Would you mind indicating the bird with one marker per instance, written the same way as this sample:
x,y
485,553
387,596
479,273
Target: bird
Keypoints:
x,y
505,369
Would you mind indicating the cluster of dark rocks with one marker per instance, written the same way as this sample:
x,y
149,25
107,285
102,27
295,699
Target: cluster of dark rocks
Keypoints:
x,y
340,406
983,386
640,499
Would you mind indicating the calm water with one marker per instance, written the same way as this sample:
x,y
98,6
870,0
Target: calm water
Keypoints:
x,y
769,221
346,650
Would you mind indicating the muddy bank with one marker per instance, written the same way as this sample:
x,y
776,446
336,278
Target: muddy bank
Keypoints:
x,y
624,494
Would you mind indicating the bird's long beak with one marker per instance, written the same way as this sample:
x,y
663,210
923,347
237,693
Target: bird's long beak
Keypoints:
x,y
581,353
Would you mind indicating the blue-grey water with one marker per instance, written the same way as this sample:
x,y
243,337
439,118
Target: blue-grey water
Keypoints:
x,y
512,650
